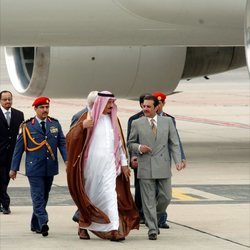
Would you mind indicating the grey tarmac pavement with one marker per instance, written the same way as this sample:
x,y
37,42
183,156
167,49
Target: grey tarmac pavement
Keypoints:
x,y
211,197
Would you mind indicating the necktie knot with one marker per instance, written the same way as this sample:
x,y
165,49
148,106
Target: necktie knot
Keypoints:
x,y
43,126
153,126
8,117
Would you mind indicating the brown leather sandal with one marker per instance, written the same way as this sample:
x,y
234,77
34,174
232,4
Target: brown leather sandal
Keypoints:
x,y
83,234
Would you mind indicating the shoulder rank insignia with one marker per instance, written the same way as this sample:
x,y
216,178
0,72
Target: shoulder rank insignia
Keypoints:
x,y
29,120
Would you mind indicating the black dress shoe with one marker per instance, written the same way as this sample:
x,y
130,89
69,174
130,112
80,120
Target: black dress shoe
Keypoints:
x,y
142,221
75,219
152,236
6,210
165,226
32,229
1,209
44,230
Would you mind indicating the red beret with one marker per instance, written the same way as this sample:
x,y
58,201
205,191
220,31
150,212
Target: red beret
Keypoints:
x,y
160,96
42,100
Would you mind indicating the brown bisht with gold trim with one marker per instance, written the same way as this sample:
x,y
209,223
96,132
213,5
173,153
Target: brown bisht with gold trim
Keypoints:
x,y
76,141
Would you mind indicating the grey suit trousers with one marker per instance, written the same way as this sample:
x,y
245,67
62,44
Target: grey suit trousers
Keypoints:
x,y
153,208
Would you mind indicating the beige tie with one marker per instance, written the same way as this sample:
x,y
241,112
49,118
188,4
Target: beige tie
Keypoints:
x,y
153,126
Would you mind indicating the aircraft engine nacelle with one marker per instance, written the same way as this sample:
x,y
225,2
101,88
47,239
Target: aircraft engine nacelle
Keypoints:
x,y
75,71
125,71
205,61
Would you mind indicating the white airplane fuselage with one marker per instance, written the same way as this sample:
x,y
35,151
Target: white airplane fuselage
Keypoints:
x,y
68,48
122,22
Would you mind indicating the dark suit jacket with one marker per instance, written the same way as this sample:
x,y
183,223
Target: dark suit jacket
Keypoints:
x,y
8,135
131,119
76,116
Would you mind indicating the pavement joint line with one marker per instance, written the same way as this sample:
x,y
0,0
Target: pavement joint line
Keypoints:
x,y
212,122
210,234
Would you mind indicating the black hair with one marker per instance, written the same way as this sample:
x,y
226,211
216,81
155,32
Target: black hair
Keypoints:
x,y
5,91
152,98
141,98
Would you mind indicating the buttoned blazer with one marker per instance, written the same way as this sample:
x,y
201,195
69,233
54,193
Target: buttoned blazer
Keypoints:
x,y
141,114
155,164
40,162
8,135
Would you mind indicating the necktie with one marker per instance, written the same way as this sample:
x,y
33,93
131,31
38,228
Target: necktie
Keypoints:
x,y
153,126
8,117
43,126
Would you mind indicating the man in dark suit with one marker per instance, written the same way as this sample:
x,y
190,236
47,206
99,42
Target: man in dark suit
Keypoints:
x,y
10,120
40,137
155,140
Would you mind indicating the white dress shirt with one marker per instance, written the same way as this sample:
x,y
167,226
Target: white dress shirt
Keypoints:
x,y
5,111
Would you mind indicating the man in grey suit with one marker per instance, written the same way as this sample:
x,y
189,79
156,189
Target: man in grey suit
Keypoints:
x,y
155,140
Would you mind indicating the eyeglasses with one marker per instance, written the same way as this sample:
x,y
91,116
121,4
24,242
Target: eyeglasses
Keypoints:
x,y
6,99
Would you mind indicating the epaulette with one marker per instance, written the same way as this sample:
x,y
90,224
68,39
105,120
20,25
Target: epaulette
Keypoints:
x,y
136,116
28,120
51,119
165,114
24,122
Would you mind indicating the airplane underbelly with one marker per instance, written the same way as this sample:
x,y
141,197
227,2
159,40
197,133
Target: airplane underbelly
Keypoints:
x,y
122,23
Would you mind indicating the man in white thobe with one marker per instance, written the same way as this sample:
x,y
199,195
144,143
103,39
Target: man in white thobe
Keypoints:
x,y
100,172
104,160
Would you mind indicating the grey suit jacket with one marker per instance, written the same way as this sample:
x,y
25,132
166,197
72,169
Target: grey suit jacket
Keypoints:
x,y
155,164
